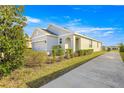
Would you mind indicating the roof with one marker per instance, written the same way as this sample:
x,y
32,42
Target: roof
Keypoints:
x,y
86,37
74,33
62,28
49,32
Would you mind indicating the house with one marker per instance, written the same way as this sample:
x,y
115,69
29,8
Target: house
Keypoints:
x,y
45,39
116,47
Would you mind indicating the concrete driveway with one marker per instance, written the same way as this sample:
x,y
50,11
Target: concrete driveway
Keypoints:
x,y
106,71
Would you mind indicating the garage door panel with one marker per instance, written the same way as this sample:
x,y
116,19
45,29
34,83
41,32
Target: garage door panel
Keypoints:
x,y
40,45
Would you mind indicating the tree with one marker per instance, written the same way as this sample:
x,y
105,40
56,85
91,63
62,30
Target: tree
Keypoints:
x,y
12,41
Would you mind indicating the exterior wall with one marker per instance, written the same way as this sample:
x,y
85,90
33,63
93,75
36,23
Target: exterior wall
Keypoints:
x,y
81,43
96,46
51,41
100,47
63,43
85,44
74,42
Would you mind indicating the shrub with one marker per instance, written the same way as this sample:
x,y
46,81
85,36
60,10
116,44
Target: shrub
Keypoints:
x,y
81,52
61,53
58,50
54,55
76,54
35,58
84,52
69,53
88,51
121,47
12,38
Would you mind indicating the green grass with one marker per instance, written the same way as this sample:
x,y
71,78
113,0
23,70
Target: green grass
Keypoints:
x,y
122,55
35,77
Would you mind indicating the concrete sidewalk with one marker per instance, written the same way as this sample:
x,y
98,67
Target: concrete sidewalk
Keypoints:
x,y
106,71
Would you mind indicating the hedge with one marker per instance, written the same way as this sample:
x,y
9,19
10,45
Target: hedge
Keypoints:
x,y
84,52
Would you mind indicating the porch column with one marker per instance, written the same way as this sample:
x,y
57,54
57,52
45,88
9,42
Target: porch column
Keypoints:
x,y
73,43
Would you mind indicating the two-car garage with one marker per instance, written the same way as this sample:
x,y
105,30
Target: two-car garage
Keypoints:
x,y
40,45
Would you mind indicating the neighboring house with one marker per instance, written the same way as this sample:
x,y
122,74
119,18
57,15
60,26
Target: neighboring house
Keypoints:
x,y
45,39
116,47
28,42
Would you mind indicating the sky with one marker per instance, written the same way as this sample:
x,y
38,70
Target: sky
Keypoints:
x,y
103,23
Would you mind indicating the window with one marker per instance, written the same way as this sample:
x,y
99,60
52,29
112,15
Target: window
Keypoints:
x,y
60,40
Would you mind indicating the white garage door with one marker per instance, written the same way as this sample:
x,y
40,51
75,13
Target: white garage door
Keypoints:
x,y
40,45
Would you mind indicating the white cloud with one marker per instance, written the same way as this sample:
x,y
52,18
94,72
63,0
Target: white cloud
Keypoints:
x,y
76,8
76,25
76,20
95,29
67,17
108,33
81,29
72,23
32,20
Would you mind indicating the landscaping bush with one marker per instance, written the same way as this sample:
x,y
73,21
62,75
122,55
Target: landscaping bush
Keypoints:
x,y
69,53
54,55
84,52
12,38
61,53
121,47
76,54
35,58
90,51
81,52
57,51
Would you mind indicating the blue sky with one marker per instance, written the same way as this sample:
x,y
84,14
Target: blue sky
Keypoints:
x,y
104,23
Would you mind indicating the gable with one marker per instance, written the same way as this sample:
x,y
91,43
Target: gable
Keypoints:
x,y
39,32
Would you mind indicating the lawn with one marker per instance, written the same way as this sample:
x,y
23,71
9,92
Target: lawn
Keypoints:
x,y
122,55
40,75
